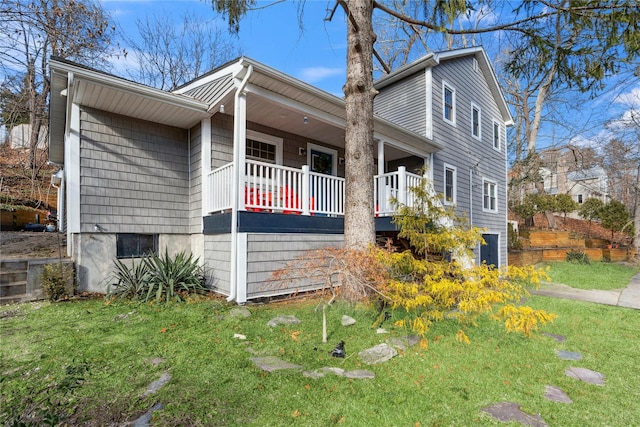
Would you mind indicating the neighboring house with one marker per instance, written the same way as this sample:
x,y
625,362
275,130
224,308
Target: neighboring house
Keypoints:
x,y
19,136
244,166
563,171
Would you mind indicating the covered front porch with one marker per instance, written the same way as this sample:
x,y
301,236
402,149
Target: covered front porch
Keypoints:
x,y
273,188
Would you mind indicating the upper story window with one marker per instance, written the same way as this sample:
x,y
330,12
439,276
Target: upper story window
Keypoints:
x,y
448,103
476,129
497,135
263,147
449,184
489,196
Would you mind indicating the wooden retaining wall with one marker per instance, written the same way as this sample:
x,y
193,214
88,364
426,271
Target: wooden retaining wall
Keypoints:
x,y
549,246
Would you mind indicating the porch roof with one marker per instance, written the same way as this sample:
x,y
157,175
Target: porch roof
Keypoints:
x,y
280,101
96,89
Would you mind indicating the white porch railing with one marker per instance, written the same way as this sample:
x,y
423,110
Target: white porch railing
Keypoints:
x,y
274,188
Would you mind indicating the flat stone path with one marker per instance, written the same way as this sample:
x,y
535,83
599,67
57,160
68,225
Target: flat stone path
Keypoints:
x,y
628,297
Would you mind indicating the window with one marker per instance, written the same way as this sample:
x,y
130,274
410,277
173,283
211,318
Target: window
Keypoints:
x,y
449,184
497,135
259,150
580,198
263,147
449,103
132,245
475,121
489,196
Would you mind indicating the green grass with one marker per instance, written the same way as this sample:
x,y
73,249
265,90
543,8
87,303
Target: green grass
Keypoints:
x,y
596,275
87,362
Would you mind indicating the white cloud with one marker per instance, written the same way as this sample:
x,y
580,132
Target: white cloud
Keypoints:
x,y
314,74
630,99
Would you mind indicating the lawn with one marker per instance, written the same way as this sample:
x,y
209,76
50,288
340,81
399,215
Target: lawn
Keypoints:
x,y
89,363
595,275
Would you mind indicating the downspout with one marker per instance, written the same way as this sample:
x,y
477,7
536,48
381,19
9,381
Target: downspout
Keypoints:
x,y
236,184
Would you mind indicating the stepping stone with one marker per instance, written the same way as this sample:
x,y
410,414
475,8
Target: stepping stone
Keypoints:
x,y
509,411
239,312
378,354
586,375
348,321
156,361
156,385
240,336
555,394
356,374
143,421
403,343
568,355
558,338
381,331
359,374
270,364
284,320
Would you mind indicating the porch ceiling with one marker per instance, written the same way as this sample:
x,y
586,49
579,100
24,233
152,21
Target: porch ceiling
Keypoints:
x,y
322,127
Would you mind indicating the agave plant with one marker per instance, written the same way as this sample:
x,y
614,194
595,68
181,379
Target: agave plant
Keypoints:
x,y
128,283
158,278
171,277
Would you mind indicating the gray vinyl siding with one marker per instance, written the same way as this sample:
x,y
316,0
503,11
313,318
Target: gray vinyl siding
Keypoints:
x,y
134,175
195,211
464,151
217,261
267,253
404,103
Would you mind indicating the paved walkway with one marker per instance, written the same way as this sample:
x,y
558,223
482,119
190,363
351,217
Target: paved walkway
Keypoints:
x,y
627,297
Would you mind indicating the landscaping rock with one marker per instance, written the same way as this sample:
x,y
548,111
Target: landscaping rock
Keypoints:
x,y
270,364
568,355
558,338
586,375
555,394
509,411
378,354
348,321
156,385
240,336
239,313
403,343
284,320
382,331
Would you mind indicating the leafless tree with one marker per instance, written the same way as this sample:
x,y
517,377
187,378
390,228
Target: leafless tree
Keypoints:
x,y
169,54
33,31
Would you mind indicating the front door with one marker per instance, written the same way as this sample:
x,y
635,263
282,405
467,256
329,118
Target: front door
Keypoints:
x,y
489,252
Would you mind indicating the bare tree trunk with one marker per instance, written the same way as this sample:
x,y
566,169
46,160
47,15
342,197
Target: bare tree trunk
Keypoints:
x,y
359,226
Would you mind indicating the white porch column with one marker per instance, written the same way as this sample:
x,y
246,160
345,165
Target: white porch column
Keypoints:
x,y
239,149
380,157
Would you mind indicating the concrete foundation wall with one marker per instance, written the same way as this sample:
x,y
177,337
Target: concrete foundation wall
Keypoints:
x,y
95,254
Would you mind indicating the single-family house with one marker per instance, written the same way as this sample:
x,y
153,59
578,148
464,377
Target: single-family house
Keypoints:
x,y
244,166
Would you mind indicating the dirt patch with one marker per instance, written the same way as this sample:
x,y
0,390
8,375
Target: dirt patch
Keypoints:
x,y
27,244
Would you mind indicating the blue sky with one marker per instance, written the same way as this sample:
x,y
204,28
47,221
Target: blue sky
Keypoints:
x,y
270,35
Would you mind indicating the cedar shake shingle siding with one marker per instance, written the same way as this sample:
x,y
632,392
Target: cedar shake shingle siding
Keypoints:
x,y
134,175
